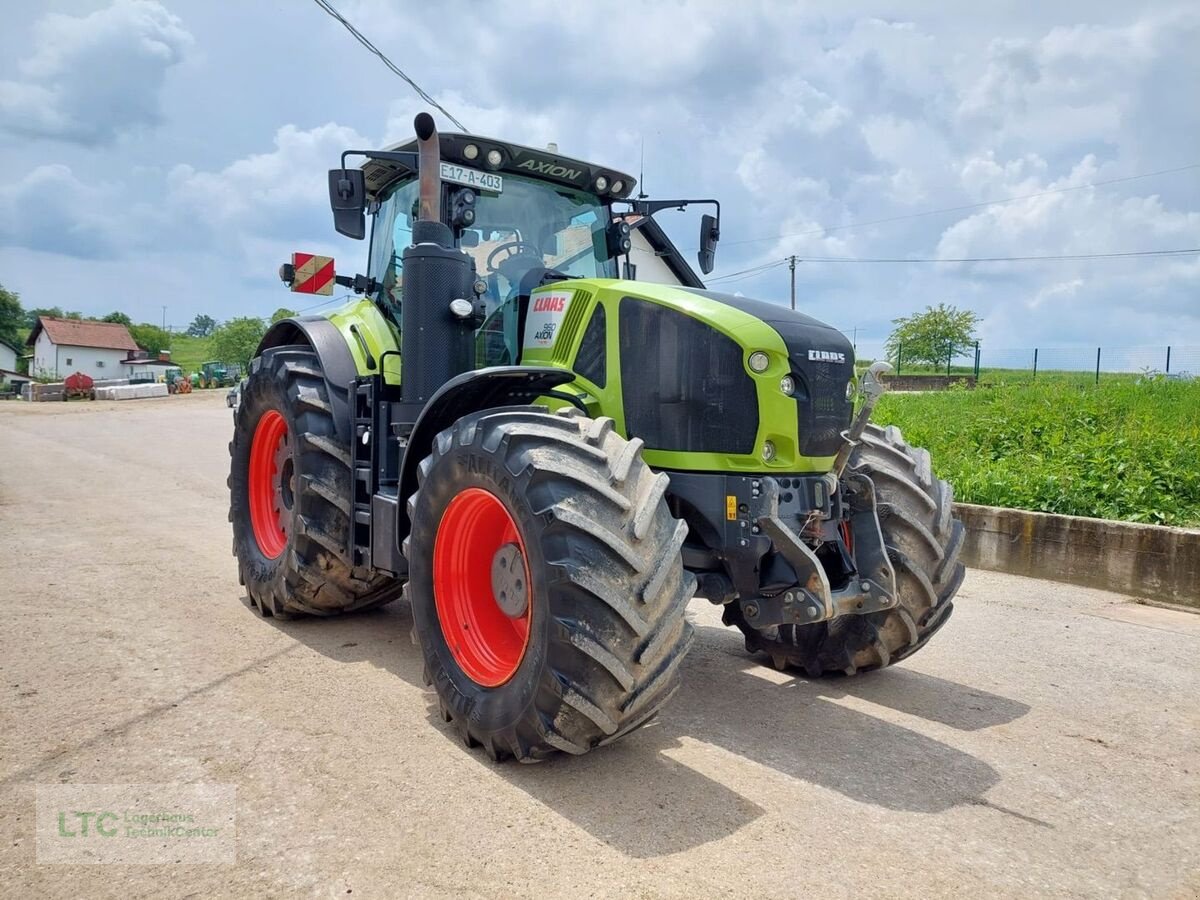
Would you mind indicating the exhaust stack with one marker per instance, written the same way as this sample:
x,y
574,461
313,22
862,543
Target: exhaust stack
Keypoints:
x,y
435,345
429,155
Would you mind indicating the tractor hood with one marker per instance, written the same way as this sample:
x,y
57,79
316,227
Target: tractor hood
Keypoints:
x,y
710,381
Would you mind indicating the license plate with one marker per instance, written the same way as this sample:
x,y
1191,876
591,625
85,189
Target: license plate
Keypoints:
x,y
484,181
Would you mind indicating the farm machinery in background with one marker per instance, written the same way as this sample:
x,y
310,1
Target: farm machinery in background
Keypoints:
x,y
549,461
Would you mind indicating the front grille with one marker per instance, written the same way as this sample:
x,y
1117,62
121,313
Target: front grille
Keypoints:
x,y
564,341
684,384
822,410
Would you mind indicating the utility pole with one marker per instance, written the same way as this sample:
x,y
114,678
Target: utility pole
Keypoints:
x,y
792,266
164,317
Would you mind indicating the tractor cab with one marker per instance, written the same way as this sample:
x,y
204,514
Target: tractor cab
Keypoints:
x,y
518,231
525,218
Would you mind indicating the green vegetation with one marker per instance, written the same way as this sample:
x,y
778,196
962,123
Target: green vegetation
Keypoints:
x,y
236,340
12,318
933,337
188,352
151,338
202,326
1121,450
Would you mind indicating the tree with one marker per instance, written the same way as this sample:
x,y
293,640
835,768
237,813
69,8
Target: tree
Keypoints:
x,y
118,317
151,338
933,337
202,326
31,315
282,313
236,340
73,314
12,317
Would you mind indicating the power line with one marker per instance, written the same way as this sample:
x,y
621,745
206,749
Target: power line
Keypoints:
x,y
743,274
963,208
323,303
753,270
328,7
1125,254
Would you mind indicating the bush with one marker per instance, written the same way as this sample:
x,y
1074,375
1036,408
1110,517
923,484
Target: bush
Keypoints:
x,y
1120,450
236,340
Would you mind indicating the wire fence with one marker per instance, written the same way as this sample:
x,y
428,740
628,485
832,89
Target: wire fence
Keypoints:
x,y
1003,364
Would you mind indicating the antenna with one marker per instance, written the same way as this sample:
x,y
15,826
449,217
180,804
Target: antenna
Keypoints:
x,y
642,195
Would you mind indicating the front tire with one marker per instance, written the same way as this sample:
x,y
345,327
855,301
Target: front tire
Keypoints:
x,y
587,646
923,542
290,492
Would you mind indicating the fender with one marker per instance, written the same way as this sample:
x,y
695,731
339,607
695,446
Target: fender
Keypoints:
x,y
472,391
337,363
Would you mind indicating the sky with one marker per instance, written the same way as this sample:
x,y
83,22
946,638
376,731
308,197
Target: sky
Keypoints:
x,y
174,152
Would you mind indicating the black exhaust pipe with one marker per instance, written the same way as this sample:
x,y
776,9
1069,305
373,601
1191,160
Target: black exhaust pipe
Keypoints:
x,y
435,345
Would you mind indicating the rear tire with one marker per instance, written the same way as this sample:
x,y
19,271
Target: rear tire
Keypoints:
x,y
305,567
923,541
605,629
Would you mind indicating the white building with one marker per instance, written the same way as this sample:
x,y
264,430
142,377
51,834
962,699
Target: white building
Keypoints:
x,y
62,347
654,258
8,357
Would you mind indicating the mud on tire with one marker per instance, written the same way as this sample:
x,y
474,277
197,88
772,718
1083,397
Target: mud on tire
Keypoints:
x,y
312,575
607,630
923,541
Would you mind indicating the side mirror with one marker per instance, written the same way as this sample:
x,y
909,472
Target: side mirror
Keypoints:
x,y
710,233
348,200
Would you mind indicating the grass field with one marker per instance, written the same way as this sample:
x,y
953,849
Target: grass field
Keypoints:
x,y
188,352
1119,450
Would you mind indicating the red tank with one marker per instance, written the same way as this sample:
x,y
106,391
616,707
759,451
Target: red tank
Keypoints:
x,y
79,382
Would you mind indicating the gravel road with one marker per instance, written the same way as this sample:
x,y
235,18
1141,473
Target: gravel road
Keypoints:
x,y
1047,742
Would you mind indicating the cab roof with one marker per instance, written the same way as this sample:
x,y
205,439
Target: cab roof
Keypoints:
x,y
516,159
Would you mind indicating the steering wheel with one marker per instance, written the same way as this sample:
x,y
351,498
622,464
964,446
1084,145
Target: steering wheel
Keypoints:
x,y
513,249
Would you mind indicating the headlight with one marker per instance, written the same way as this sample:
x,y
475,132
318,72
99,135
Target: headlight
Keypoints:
x,y
759,361
787,385
768,451
601,183
461,309
470,151
618,186
850,388
494,158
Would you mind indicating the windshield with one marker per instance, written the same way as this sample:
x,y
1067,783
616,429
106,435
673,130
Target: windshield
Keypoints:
x,y
530,224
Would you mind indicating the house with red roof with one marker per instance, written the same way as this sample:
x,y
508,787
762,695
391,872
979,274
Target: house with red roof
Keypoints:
x,y
62,347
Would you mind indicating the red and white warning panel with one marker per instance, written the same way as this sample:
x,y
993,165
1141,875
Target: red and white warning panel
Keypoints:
x,y
312,274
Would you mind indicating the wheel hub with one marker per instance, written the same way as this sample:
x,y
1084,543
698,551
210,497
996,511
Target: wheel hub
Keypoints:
x,y
509,589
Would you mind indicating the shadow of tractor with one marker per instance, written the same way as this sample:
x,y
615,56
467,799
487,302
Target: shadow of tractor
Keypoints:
x,y
633,795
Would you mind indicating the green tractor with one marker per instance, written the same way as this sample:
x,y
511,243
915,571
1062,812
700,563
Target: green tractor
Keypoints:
x,y
549,461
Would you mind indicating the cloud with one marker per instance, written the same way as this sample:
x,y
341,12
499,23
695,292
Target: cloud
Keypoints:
x,y
53,211
93,78
263,206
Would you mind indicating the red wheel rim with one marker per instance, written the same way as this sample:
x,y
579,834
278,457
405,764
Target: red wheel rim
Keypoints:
x,y
270,484
487,643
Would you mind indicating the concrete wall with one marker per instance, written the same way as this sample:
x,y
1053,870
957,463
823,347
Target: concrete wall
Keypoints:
x,y
51,359
926,382
1148,561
